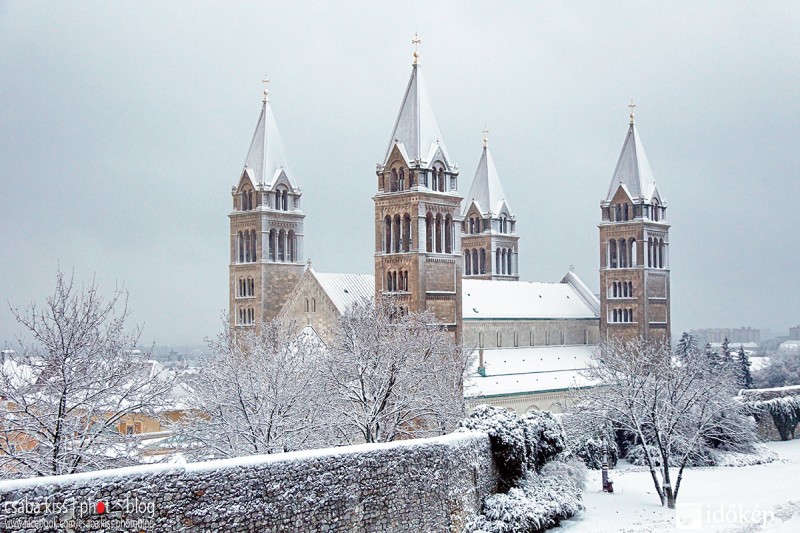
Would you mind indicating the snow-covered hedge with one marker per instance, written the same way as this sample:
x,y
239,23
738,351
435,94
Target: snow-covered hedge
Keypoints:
x,y
782,404
536,492
540,502
759,454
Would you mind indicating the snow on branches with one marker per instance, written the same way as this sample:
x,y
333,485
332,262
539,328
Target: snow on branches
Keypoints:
x,y
390,375
676,405
74,380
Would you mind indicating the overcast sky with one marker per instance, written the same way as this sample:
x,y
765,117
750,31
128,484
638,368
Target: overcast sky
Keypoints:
x,y
123,126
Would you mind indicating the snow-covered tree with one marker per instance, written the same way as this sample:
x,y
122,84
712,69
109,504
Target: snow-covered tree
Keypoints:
x,y
726,353
390,374
74,379
256,393
687,344
783,370
677,406
745,377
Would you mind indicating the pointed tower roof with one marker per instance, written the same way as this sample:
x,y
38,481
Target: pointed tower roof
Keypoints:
x,y
633,170
266,158
416,131
486,190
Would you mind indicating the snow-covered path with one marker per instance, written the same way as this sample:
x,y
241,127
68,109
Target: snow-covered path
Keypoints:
x,y
720,499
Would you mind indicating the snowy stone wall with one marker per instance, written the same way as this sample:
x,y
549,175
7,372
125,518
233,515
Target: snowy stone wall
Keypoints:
x,y
432,485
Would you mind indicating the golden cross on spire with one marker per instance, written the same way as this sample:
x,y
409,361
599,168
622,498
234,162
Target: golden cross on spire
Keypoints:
x,y
485,137
416,42
632,105
265,81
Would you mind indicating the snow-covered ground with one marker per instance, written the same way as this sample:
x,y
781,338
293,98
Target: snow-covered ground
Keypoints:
x,y
737,499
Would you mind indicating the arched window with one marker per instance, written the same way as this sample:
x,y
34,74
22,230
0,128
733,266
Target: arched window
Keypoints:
x,y
292,251
654,210
387,234
612,253
475,261
250,200
313,305
240,247
406,232
272,236
471,225
282,246
254,255
307,306
632,251
448,234
396,244
429,232
483,261
478,225
624,211
649,251
439,230
389,281
252,287
401,180
617,213
614,289
623,254
394,180
441,180
660,253
497,260
467,263
503,264
405,280
510,262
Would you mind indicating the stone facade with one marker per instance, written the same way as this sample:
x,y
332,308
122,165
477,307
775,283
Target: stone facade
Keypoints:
x,y
417,242
432,485
515,333
634,251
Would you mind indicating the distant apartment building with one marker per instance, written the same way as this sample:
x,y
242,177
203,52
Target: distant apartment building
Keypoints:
x,y
794,333
734,335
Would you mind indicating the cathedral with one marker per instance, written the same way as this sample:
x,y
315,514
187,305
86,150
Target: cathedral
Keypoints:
x,y
456,257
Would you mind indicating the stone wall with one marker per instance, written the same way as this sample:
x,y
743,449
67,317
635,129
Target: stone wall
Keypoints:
x,y
432,485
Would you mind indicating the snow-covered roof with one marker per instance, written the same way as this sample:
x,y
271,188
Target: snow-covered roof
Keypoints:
x,y
416,131
486,189
528,359
346,289
266,159
530,369
633,170
497,300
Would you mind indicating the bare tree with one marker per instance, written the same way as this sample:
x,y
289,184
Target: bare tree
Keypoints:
x,y
675,406
256,393
73,380
391,375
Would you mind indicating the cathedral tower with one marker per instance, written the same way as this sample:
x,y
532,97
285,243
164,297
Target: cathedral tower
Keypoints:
x,y
266,228
490,241
634,250
418,213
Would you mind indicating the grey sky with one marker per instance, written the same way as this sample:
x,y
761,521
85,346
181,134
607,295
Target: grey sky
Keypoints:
x,y
124,125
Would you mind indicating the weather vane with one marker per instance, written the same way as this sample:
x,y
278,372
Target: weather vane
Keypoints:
x,y
265,81
632,105
416,42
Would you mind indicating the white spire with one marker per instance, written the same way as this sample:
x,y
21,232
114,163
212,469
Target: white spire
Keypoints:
x,y
416,131
486,188
266,159
633,170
